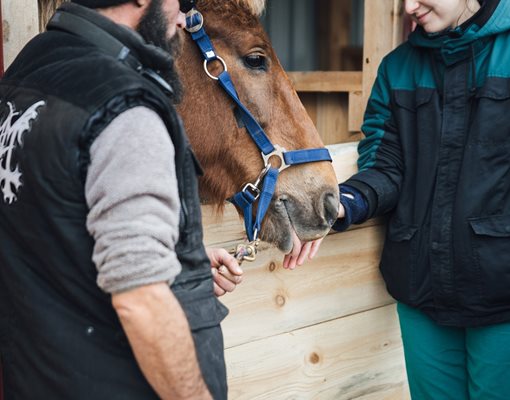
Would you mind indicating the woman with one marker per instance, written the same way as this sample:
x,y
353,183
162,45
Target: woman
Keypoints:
x,y
436,158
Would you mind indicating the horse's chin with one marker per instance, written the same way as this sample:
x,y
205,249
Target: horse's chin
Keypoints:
x,y
277,228
285,228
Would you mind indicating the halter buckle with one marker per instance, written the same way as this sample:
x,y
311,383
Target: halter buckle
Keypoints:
x,y
192,16
252,189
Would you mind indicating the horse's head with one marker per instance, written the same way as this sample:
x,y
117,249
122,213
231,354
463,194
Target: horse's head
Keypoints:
x,y
306,196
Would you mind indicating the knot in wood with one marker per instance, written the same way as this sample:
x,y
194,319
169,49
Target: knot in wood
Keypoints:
x,y
280,300
314,358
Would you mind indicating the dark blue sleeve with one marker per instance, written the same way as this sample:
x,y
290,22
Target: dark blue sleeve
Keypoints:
x,y
355,205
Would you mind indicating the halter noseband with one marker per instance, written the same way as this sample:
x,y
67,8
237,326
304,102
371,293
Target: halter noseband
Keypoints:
x,y
263,188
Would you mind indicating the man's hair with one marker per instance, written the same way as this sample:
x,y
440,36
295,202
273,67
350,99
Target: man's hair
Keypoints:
x,y
100,3
153,28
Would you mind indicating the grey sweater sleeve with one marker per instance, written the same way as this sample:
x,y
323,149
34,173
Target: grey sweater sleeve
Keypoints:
x,y
131,190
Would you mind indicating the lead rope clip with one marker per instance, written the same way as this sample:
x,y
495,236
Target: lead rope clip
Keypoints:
x,y
246,251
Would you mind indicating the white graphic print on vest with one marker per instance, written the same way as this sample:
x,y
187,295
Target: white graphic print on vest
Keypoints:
x,y
11,133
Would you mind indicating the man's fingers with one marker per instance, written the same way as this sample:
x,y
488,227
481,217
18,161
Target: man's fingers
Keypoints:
x,y
224,283
219,257
231,263
218,291
227,274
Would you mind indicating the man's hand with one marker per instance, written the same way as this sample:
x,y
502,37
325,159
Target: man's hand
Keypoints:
x,y
160,337
227,273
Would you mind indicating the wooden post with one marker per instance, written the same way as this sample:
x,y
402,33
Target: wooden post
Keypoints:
x,y
383,32
20,20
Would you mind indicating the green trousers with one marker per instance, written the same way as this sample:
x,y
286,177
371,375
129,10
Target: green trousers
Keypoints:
x,y
446,363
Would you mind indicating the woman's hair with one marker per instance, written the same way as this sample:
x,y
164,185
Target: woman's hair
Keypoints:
x,y
46,10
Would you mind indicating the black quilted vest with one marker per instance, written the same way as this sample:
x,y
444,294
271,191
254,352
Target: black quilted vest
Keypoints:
x,y
59,335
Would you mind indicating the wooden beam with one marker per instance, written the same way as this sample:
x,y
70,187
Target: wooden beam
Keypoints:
x,y
327,81
20,20
382,33
356,111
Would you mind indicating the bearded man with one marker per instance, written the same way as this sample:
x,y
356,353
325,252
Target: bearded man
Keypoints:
x,y
106,289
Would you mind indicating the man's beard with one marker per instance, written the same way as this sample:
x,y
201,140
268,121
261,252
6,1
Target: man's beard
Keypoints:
x,y
154,27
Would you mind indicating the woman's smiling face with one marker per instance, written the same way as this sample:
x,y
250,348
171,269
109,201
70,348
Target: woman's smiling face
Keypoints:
x,y
438,15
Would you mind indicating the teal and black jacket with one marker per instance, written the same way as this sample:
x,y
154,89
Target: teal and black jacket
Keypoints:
x,y
436,159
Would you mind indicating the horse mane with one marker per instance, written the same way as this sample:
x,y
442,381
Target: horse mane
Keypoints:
x,y
255,6
46,10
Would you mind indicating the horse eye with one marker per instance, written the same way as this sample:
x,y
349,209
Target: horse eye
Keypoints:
x,y
255,61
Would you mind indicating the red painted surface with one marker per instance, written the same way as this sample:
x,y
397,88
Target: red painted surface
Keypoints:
x,y
1,74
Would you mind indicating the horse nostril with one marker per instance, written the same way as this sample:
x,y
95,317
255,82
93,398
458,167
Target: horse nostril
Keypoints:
x,y
331,205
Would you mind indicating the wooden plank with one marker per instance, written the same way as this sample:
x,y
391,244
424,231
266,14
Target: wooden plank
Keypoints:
x,y
356,111
343,279
357,357
332,118
345,156
309,100
333,26
326,81
20,19
382,32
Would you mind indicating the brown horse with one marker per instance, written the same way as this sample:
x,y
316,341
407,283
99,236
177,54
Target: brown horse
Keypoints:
x,y
305,203
306,197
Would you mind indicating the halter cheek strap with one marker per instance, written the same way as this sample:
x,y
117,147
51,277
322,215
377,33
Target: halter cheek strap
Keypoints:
x,y
263,188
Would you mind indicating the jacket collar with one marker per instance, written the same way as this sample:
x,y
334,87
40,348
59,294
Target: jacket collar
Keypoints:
x,y
148,55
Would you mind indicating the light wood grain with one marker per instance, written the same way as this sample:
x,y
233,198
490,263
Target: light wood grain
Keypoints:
x,y
327,81
382,33
355,112
343,279
356,357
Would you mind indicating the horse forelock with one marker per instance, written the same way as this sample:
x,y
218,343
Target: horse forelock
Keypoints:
x,y
255,6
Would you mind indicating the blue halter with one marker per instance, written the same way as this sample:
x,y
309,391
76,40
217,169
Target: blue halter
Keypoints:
x,y
251,192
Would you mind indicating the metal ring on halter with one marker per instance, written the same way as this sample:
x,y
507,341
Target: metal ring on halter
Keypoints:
x,y
277,152
189,15
221,60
